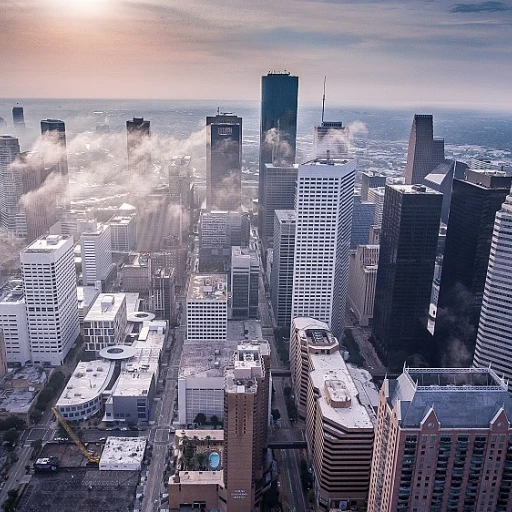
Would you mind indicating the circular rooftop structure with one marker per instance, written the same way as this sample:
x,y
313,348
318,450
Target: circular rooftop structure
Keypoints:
x,y
118,352
140,316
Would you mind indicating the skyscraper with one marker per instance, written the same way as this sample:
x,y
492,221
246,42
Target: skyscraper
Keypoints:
x,y
245,274
362,218
371,179
494,336
278,129
19,121
96,245
138,135
281,280
224,162
408,245
10,182
330,139
424,153
54,133
322,242
279,192
442,442
474,204
49,283
246,401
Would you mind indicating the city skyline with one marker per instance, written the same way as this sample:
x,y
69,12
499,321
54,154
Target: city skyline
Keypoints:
x,y
370,51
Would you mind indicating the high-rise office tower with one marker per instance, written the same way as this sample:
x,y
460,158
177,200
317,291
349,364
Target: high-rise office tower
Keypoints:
x,y
474,204
245,274
96,245
138,136
362,280
246,406
424,153
53,132
19,121
279,193
10,182
330,139
323,210
207,307
408,246
494,336
441,179
224,162
362,218
281,280
278,129
376,196
442,442
49,283
371,179
3,125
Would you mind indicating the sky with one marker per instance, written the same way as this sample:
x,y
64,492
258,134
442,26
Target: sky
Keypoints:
x,y
383,53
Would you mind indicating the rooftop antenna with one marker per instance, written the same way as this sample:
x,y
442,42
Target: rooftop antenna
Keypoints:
x,y
323,101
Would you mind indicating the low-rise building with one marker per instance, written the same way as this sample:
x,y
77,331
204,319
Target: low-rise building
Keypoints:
x,y
123,454
105,322
82,397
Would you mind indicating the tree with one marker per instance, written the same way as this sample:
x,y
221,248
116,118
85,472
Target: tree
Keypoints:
x,y
311,496
214,420
35,416
11,436
200,418
287,391
275,415
208,439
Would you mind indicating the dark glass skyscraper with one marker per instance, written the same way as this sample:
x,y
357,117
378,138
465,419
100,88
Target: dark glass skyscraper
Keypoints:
x,y
19,120
408,244
138,134
425,153
278,130
224,162
474,204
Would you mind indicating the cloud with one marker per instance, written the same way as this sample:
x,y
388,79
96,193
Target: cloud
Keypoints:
x,y
481,7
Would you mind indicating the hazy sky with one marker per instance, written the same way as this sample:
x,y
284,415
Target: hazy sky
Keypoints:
x,y
374,52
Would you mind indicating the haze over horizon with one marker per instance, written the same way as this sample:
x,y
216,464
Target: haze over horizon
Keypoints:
x,y
376,52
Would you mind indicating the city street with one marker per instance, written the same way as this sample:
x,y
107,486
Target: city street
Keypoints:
x,y
159,435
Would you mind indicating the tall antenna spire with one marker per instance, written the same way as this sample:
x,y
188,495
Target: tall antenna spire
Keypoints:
x,y
323,101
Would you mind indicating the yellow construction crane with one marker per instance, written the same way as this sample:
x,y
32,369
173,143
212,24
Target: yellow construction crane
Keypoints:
x,y
91,458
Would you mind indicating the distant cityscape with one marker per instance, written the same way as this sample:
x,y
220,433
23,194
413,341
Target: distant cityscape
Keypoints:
x,y
316,327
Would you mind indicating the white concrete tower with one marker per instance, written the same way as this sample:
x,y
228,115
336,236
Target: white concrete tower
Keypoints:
x,y
96,245
49,282
323,209
494,337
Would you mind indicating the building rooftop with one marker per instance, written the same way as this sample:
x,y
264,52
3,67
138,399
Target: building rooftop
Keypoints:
x,y
200,477
304,322
208,287
460,397
48,243
123,450
105,307
120,220
285,215
200,359
88,380
244,330
33,375
339,398
16,401
86,295
415,189
247,366
12,292
337,162
316,337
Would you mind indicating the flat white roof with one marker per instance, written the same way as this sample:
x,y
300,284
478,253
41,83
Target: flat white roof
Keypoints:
x,y
200,477
330,374
86,295
105,307
48,243
88,380
123,451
